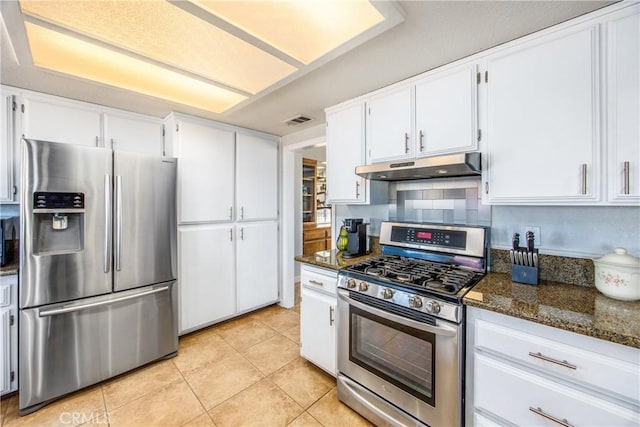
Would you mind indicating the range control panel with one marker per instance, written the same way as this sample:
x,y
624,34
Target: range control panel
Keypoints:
x,y
48,200
450,239
429,236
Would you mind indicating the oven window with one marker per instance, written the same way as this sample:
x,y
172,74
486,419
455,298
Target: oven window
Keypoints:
x,y
399,354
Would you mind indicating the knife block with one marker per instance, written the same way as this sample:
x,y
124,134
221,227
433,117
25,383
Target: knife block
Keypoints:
x,y
524,274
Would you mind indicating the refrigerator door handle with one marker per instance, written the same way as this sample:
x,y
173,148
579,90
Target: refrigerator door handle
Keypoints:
x,y
80,307
107,224
118,203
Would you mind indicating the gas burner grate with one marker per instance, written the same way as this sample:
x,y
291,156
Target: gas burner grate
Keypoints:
x,y
416,273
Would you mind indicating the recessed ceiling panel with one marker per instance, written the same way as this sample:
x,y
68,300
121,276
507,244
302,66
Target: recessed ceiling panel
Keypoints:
x,y
303,29
165,33
63,53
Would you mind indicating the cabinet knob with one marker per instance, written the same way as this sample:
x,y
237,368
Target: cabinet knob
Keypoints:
x,y
406,142
421,141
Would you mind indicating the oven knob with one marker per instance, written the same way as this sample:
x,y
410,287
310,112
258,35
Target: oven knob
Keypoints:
x,y
351,283
364,286
415,302
387,293
432,307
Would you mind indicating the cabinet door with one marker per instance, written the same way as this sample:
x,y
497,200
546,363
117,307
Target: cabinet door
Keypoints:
x,y
57,120
256,178
623,107
205,275
389,125
134,133
543,121
447,112
205,173
257,264
6,349
7,144
345,151
317,329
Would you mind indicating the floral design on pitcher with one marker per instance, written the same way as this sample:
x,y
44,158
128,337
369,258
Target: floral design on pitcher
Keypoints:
x,y
614,279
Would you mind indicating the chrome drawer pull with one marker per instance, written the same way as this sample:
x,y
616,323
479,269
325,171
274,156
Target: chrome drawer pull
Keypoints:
x,y
549,359
562,422
315,282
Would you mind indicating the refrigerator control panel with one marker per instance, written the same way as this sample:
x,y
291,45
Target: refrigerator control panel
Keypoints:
x,y
47,200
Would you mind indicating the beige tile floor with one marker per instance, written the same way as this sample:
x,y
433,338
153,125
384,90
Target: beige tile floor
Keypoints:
x,y
244,372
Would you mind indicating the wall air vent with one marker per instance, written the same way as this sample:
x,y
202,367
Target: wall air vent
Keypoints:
x,y
297,120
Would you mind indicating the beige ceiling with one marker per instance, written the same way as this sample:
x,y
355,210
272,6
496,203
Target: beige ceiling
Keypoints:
x,y
433,33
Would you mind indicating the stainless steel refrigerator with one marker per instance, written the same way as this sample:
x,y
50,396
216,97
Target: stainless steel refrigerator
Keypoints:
x,y
97,267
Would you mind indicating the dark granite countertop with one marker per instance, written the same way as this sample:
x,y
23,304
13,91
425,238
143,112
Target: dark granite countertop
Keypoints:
x,y
580,309
9,269
332,259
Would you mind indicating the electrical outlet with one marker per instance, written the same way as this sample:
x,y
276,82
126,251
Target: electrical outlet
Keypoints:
x,y
536,235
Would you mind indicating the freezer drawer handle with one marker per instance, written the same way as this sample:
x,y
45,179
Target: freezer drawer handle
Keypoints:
x,y
56,311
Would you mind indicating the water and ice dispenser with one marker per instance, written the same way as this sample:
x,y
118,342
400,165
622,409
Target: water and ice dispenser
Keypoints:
x,y
58,220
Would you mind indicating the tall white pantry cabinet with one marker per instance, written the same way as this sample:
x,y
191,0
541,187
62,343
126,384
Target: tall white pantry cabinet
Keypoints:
x,y
227,219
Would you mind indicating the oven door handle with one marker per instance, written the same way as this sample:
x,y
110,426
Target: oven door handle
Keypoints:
x,y
441,329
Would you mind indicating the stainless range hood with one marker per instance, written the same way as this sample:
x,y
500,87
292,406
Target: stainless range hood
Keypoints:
x,y
464,164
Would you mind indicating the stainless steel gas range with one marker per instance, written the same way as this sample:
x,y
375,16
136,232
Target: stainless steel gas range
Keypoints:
x,y
401,324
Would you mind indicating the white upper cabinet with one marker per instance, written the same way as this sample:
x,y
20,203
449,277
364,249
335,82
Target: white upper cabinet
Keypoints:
x,y
57,120
205,171
543,126
390,126
345,151
447,112
256,177
623,106
132,132
8,176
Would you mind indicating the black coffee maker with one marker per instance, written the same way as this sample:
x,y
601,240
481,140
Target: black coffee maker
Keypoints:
x,y
357,238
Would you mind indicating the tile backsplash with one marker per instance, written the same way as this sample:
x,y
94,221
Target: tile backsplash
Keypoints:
x,y
447,201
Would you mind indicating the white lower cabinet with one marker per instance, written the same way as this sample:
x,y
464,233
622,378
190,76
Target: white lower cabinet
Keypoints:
x,y
524,373
206,275
8,334
317,317
225,269
526,398
257,264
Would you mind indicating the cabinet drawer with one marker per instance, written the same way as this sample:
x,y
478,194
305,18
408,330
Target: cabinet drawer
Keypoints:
x,y
314,234
509,393
319,279
8,287
588,368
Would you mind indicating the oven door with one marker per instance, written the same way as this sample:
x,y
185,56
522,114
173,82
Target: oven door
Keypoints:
x,y
415,365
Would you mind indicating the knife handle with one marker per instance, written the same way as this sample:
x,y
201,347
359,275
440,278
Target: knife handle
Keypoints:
x,y
516,241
